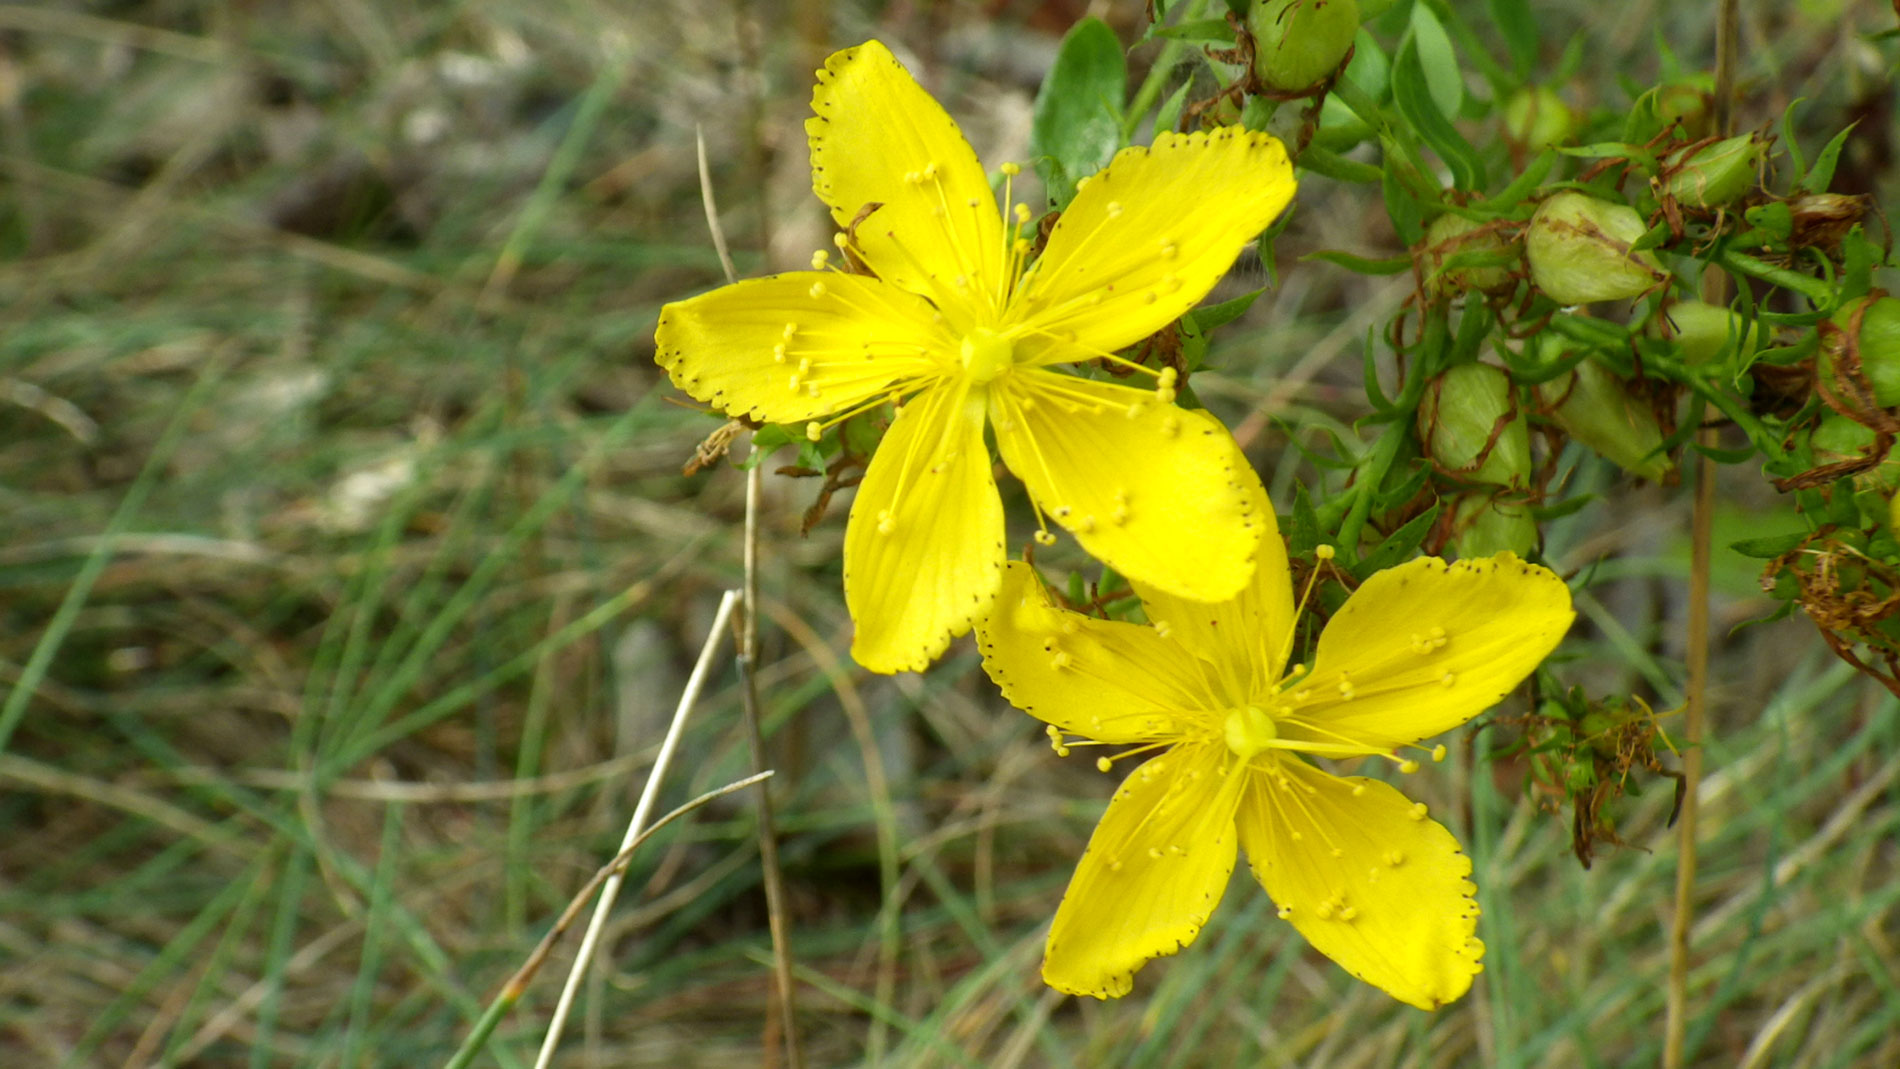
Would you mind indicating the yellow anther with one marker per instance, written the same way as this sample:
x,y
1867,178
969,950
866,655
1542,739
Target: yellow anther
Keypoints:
x,y
1103,764
1418,811
1323,551
813,431
817,290
840,240
1011,169
1438,752
1021,212
778,353
1044,538
886,523
1284,913
1408,766
820,260
1114,209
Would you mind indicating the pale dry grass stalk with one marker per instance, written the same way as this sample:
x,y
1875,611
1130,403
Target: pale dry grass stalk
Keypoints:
x,y
610,890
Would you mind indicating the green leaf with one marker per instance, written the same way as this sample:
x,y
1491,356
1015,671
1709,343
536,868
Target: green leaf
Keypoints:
x,y
1169,116
1337,167
1412,95
1438,60
1770,546
1200,31
1078,121
1408,218
1399,546
1794,146
1360,265
1303,532
1518,27
1219,315
1821,175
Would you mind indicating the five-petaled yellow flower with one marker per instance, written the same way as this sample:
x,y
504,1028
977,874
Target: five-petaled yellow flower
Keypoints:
x,y
961,333
1353,864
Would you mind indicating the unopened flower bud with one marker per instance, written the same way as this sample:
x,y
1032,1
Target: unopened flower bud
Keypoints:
x,y
1484,525
1448,236
1868,327
1470,425
1538,118
1594,407
1714,175
1700,330
1299,42
1579,250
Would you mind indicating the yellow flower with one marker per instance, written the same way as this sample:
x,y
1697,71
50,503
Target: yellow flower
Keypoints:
x,y
955,328
1353,864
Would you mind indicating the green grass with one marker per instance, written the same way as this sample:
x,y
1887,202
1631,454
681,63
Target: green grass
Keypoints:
x,y
336,639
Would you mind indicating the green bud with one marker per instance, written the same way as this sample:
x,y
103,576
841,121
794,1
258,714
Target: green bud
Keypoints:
x,y
1457,416
1702,330
1299,42
1714,175
1484,525
1775,220
1579,250
1593,406
1451,234
1877,344
1537,118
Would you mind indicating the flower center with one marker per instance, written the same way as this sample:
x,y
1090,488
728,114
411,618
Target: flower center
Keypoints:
x,y
986,355
1249,730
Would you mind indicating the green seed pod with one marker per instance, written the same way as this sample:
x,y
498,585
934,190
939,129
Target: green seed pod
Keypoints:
x,y
1595,408
1299,42
1579,250
1878,345
1456,420
1538,118
1713,176
1452,234
1702,330
1484,525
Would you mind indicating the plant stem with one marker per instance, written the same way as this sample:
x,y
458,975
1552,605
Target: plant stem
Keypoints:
x,y
1702,523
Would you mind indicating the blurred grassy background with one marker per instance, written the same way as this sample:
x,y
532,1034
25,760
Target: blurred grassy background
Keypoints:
x,y
348,577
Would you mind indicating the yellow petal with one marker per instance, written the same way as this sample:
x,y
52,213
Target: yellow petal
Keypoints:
x,y
878,139
1366,877
1114,682
1159,493
798,346
1146,238
1423,647
923,550
1247,638
1154,871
